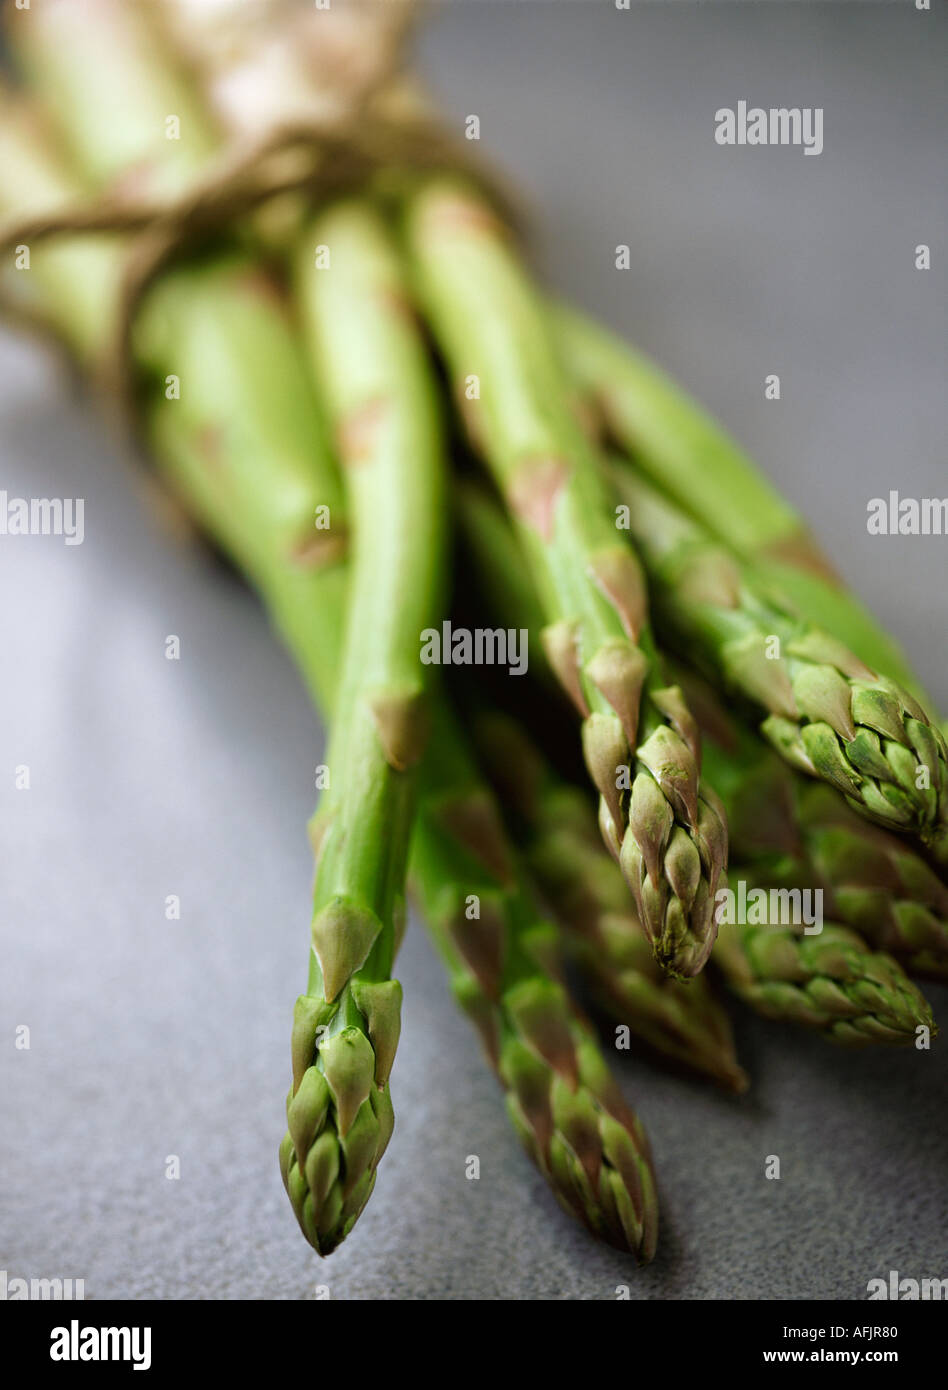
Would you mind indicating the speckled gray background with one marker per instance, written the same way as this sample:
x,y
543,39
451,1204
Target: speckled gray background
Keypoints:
x,y
152,1038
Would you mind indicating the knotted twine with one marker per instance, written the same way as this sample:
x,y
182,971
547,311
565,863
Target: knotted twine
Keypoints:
x,y
316,158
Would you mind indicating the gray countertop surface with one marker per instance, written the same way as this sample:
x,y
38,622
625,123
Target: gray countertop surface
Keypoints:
x,y
152,1038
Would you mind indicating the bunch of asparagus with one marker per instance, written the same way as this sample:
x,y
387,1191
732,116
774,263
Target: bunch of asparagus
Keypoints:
x,y
366,375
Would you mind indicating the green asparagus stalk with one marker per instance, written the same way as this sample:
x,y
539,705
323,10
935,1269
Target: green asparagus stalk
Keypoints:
x,y
688,456
565,856
219,323
80,278
493,332
121,102
827,713
250,403
789,832
830,982
374,374
503,962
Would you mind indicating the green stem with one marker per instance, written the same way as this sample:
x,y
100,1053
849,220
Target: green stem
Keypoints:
x,y
826,712
495,336
504,964
687,454
74,283
374,375
123,105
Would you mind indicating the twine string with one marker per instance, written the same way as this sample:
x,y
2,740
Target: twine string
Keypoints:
x,y
314,158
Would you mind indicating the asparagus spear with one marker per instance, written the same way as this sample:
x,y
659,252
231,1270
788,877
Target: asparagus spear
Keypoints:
x,y
375,377
503,961
251,403
585,891
827,713
789,832
491,328
830,982
688,456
